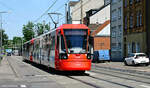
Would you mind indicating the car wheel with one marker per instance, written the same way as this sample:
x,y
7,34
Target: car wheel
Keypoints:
x,y
125,63
133,63
146,64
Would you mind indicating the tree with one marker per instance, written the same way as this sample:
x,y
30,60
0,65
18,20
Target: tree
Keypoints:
x,y
28,31
4,38
17,41
47,27
41,28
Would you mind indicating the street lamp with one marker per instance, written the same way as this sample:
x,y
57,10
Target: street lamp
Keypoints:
x,y
1,28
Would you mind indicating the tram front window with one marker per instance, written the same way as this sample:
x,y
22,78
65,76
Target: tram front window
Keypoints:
x,y
76,40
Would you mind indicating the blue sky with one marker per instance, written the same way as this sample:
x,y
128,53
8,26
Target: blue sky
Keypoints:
x,y
22,11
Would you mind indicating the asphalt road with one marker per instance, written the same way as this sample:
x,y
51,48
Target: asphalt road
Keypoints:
x,y
14,73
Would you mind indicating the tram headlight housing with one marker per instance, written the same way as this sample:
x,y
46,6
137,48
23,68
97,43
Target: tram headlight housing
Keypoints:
x,y
88,56
63,56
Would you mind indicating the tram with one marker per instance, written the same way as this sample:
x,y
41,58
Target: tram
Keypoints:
x,y
66,48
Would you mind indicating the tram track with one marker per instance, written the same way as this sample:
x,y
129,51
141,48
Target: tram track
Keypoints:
x,y
54,72
122,72
91,77
121,77
110,82
87,83
98,79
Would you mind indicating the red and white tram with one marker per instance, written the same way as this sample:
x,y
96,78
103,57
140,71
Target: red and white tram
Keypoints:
x,y
66,48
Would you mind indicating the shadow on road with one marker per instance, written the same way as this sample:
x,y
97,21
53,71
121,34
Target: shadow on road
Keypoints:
x,y
56,72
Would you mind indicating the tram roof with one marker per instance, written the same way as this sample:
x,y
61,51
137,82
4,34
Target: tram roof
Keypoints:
x,y
73,26
64,26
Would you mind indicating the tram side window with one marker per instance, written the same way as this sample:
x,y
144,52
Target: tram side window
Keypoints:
x,y
53,43
62,44
57,42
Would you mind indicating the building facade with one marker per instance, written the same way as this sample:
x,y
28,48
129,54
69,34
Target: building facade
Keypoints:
x,y
102,37
101,16
80,9
116,30
71,5
136,26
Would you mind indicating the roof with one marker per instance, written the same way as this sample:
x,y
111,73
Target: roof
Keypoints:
x,y
73,3
93,26
102,30
73,26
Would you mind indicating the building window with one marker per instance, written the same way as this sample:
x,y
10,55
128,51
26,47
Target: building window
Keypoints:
x,y
129,48
114,15
126,23
113,1
133,47
137,48
113,46
137,18
126,3
120,28
119,31
140,19
131,2
119,45
138,1
131,21
114,31
107,2
119,13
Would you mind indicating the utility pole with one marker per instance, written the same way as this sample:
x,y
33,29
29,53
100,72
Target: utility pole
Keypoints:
x,y
66,14
1,29
81,12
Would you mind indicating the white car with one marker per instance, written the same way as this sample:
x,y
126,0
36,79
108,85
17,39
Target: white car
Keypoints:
x,y
136,58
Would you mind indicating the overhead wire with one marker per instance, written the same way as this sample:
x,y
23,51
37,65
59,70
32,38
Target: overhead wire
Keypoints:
x,y
62,5
55,11
46,11
3,4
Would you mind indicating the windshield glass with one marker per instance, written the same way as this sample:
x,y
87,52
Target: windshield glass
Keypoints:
x,y
76,40
140,55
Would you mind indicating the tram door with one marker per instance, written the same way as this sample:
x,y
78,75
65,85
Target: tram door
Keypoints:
x,y
57,50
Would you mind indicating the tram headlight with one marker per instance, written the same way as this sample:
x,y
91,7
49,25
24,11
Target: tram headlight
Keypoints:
x,y
88,56
63,56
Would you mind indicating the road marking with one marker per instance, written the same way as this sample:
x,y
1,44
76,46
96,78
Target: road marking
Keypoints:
x,y
145,86
23,86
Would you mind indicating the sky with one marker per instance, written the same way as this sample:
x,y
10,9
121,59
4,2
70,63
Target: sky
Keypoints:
x,y
22,11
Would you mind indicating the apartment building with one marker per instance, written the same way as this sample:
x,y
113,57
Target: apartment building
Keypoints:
x,y
79,9
116,30
136,26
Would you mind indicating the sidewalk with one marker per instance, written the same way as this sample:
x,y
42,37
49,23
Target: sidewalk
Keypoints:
x,y
5,70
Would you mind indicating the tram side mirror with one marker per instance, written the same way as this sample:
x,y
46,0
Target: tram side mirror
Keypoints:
x,y
89,56
63,56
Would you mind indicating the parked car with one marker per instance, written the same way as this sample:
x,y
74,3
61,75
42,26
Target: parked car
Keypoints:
x,y
136,58
8,54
